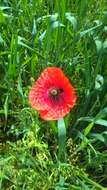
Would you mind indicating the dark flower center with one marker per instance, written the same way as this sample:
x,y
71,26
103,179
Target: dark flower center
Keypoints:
x,y
55,92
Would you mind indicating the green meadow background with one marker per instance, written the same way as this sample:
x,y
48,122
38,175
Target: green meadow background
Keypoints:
x,y
72,35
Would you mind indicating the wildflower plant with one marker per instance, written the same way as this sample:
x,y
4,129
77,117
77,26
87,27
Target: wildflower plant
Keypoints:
x,y
53,96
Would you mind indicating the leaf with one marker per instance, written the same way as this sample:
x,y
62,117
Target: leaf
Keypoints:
x,y
98,136
89,30
99,45
19,86
56,24
104,133
101,122
22,41
42,18
2,17
89,119
41,37
61,184
99,82
3,8
102,113
34,29
84,143
6,107
105,44
61,181
88,129
53,17
83,185
61,138
72,20
1,40
97,119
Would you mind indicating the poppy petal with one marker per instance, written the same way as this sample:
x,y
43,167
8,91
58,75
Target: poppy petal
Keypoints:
x,y
52,106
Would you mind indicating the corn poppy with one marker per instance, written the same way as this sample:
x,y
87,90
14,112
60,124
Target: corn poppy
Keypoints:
x,y
52,95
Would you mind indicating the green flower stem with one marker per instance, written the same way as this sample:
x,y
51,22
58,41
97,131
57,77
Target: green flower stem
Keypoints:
x,y
95,184
61,140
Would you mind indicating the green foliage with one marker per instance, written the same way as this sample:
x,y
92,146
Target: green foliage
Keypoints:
x,y
73,36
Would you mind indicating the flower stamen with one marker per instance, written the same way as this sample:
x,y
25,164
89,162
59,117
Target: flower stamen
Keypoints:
x,y
55,92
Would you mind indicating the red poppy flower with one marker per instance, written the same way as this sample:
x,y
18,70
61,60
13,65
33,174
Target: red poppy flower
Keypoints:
x,y
52,95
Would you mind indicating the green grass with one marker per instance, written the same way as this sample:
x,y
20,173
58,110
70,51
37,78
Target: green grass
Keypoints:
x,y
71,35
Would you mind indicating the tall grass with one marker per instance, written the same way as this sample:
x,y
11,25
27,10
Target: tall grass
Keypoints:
x,y
70,35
